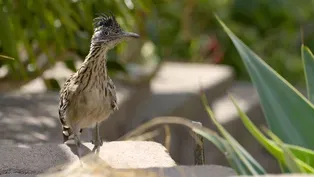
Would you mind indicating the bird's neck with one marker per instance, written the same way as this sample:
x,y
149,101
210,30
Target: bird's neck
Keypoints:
x,y
95,61
97,53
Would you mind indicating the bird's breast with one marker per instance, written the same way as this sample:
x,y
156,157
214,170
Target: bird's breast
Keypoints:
x,y
91,106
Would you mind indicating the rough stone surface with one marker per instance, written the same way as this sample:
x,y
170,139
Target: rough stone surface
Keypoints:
x,y
29,118
195,171
282,175
135,154
177,171
17,175
34,159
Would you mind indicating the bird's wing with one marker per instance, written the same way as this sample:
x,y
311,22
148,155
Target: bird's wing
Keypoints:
x,y
65,96
112,94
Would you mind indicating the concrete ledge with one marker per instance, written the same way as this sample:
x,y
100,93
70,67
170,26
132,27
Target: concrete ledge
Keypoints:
x,y
135,154
282,175
116,159
194,171
101,170
35,159
93,167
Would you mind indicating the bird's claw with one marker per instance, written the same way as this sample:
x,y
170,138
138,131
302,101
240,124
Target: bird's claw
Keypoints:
x,y
97,144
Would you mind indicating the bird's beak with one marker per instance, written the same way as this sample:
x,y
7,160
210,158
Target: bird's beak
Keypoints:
x,y
130,35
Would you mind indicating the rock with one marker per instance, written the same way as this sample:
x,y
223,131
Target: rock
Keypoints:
x,y
101,170
35,159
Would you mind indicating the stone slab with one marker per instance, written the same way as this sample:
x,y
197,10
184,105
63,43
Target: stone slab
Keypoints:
x,y
35,159
282,175
195,171
177,171
90,166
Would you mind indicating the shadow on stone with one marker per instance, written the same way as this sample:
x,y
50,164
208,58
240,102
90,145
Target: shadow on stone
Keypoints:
x,y
84,150
34,159
195,171
31,119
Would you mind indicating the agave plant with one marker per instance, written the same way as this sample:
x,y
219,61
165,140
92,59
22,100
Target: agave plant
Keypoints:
x,y
289,116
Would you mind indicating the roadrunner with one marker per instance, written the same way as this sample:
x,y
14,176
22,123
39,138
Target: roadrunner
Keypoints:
x,y
88,97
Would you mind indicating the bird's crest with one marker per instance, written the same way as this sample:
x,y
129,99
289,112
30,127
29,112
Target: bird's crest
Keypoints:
x,y
105,20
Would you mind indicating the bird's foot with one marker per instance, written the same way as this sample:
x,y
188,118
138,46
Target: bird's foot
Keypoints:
x,y
97,144
78,146
97,140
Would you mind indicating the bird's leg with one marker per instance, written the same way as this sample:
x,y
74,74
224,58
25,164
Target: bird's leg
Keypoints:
x,y
78,145
97,141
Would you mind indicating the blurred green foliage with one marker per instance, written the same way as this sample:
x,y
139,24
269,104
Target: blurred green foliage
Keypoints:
x,y
273,29
39,33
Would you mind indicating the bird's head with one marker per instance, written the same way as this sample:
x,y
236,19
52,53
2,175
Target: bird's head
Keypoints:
x,y
108,32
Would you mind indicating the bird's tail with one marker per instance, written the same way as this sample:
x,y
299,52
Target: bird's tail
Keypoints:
x,y
66,130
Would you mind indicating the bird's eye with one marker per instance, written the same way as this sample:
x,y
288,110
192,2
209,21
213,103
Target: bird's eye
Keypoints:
x,y
106,33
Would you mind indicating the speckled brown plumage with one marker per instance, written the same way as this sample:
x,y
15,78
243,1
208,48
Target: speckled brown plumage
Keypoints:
x,y
88,97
